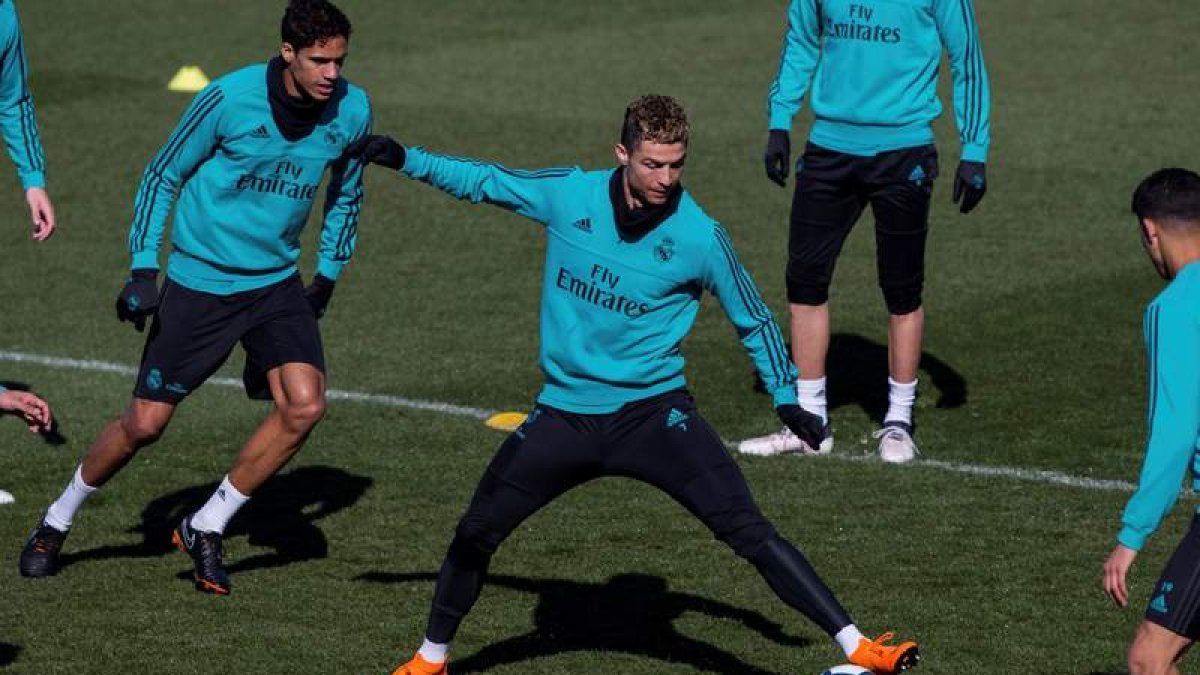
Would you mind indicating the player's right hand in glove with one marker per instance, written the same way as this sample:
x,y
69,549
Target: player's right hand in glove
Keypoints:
x,y
381,150
778,156
139,298
970,184
805,425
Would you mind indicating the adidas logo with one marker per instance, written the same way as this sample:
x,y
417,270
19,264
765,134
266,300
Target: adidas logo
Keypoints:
x,y
584,224
677,419
260,132
917,175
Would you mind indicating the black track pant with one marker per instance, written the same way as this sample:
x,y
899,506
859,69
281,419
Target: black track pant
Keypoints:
x,y
662,441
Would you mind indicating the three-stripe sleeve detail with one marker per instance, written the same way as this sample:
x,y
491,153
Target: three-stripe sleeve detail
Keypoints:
x,y
776,352
973,76
1152,341
148,194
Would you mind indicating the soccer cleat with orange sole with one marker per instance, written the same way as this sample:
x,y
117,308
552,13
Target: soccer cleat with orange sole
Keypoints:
x,y
885,659
419,666
205,550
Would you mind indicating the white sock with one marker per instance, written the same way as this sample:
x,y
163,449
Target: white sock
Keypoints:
x,y
812,397
848,637
220,507
900,401
62,511
434,652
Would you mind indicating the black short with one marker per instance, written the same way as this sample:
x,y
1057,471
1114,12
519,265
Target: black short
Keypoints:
x,y
832,189
194,333
1175,603
661,441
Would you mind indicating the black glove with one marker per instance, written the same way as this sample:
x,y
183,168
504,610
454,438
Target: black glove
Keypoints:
x,y
970,184
805,425
139,298
778,156
318,294
381,150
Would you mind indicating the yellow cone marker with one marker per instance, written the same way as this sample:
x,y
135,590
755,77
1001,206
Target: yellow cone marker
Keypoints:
x,y
189,79
506,421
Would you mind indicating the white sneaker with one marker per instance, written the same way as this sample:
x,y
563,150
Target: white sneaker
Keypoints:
x,y
6,498
783,442
895,443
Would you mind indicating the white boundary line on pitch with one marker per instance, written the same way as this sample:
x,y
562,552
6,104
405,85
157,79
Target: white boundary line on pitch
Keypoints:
x,y
1013,473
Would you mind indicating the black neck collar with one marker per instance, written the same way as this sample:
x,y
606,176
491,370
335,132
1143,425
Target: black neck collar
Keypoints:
x,y
296,116
633,224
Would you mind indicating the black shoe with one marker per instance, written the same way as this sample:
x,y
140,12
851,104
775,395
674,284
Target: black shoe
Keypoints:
x,y
205,549
39,558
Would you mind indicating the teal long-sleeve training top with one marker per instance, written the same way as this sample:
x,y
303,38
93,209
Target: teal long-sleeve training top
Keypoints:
x,y
245,191
1172,329
17,123
872,67
614,312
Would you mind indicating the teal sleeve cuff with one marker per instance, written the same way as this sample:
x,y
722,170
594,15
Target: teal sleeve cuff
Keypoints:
x,y
330,269
974,152
780,120
3,389
413,156
1131,538
145,260
785,395
33,179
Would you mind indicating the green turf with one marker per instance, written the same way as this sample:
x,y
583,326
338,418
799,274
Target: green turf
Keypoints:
x,y
1033,344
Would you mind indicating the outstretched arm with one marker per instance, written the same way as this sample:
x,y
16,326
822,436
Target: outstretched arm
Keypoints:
x,y
529,193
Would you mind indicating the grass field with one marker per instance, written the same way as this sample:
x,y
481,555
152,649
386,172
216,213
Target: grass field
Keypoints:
x,y
1033,353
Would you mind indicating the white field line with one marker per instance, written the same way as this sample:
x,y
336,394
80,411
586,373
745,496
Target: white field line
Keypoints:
x,y
1012,473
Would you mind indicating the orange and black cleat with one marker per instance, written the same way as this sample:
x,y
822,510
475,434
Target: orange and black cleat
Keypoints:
x,y
885,659
419,666
205,550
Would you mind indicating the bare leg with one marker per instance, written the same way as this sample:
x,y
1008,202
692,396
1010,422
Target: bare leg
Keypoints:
x,y
810,339
1156,650
140,425
299,393
905,334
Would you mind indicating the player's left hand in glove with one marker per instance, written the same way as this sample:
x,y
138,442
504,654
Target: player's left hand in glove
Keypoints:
x,y
139,298
970,184
381,150
805,425
318,294
778,156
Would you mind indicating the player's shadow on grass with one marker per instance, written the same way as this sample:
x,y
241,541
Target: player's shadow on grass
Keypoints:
x,y
8,654
53,435
857,372
282,516
629,613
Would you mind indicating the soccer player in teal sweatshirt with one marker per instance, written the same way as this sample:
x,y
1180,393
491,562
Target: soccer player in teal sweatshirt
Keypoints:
x,y
870,68
1167,205
18,126
629,254
246,161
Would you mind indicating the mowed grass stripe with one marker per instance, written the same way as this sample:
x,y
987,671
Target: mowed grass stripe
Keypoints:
x,y
979,470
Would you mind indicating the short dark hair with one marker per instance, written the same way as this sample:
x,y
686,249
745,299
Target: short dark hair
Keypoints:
x,y
1169,197
307,22
654,118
